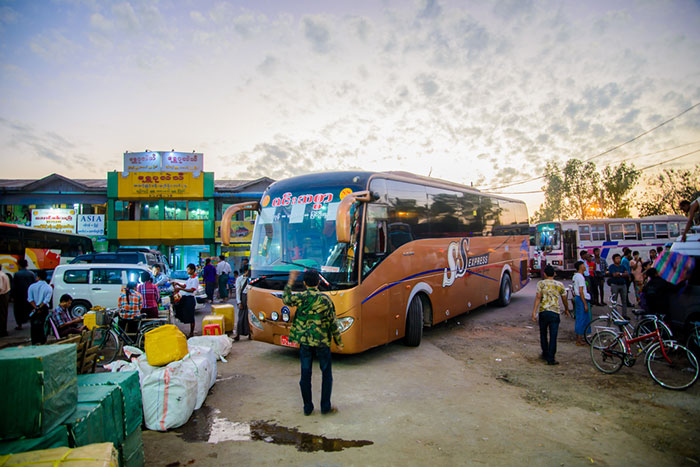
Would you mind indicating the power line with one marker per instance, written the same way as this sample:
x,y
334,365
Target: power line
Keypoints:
x,y
640,170
606,151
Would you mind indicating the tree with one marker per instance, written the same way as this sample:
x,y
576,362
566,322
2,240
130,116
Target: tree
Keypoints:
x,y
663,191
581,180
616,184
553,206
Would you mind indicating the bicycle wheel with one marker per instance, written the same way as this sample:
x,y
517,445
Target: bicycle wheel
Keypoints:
x,y
599,324
607,351
649,325
107,345
678,369
693,343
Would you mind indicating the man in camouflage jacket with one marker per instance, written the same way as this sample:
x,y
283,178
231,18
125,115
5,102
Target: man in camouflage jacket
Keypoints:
x,y
314,324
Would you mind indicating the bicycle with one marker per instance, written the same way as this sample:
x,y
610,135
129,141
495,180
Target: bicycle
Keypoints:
x,y
647,323
110,337
669,364
693,342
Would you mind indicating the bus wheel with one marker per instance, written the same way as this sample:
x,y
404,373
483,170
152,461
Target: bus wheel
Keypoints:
x,y
414,323
505,292
80,307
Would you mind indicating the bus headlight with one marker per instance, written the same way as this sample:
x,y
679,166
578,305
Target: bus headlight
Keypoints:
x,y
285,314
255,321
345,323
274,316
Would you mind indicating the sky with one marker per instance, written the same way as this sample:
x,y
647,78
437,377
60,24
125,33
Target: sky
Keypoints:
x,y
483,93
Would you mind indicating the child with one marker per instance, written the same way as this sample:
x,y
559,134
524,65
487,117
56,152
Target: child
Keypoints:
x,y
64,319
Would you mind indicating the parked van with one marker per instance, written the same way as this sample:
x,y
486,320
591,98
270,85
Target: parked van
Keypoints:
x,y
125,257
95,284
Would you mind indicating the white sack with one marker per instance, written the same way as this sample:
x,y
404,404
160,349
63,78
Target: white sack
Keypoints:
x,y
169,396
221,345
202,363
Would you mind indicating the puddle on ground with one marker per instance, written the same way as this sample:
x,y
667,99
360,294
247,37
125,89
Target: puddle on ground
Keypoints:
x,y
206,426
304,442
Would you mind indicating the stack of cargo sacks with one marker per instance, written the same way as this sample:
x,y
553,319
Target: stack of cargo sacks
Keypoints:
x,y
38,394
127,384
93,455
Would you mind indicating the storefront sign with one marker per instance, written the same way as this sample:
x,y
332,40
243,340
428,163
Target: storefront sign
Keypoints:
x,y
163,161
91,224
241,231
62,220
181,185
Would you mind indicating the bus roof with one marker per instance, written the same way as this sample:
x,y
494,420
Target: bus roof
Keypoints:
x,y
34,229
361,178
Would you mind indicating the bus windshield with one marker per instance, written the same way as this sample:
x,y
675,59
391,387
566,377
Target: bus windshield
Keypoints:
x,y
296,231
548,237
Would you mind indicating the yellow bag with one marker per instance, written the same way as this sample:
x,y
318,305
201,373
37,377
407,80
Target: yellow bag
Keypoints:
x,y
92,455
165,344
218,320
227,312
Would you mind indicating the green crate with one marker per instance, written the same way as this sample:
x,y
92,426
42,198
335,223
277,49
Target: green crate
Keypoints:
x,y
110,398
129,386
85,424
56,438
131,451
39,389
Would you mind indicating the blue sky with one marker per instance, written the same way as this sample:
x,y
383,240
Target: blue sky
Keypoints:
x,y
482,92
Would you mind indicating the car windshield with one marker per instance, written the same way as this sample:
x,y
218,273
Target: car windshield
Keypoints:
x,y
297,231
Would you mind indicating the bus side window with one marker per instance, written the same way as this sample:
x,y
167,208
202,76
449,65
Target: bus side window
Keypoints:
x,y
673,229
648,231
661,231
584,233
376,237
630,231
616,232
598,232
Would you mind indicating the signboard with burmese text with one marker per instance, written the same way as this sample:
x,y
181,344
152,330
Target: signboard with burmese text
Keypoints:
x,y
61,220
164,161
139,185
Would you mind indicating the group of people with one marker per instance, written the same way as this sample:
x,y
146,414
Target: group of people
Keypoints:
x,y
588,289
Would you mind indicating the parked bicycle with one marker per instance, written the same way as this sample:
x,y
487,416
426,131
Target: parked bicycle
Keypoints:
x,y
670,364
110,337
646,324
693,342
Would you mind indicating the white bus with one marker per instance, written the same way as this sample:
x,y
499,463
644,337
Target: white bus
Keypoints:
x,y
559,243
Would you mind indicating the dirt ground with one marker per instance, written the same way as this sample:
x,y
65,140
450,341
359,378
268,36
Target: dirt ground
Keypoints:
x,y
473,392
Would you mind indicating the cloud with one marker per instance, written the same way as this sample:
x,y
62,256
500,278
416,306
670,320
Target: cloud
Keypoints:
x,y
317,33
198,17
429,9
23,139
54,46
268,65
427,84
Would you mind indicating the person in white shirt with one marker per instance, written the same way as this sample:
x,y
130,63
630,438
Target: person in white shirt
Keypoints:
x,y
581,305
223,271
39,297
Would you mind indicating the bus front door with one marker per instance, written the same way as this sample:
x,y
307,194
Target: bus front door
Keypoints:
x,y
569,249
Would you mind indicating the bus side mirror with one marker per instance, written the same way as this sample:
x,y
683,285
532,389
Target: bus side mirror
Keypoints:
x,y
228,215
343,225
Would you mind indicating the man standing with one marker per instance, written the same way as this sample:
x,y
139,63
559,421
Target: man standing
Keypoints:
x,y
20,285
618,283
690,210
314,322
39,297
601,269
223,269
625,263
209,276
4,301
547,298
242,325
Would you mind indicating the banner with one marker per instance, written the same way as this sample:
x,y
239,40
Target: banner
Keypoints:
x,y
164,161
61,220
241,231
181,185
91,224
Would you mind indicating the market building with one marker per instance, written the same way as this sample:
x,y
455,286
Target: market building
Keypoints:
x,y
161,199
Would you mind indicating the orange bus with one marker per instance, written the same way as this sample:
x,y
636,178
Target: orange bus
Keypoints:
x,y
397,252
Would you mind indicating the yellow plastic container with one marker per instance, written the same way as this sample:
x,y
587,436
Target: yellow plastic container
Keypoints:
x,y
165,344
219,320
93,455
228,312
90,320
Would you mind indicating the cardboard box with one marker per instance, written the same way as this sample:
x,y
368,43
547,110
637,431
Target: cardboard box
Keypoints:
x,y
56,438
94,455
130,391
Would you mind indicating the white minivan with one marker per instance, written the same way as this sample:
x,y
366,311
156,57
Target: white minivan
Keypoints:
x,y
94,284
